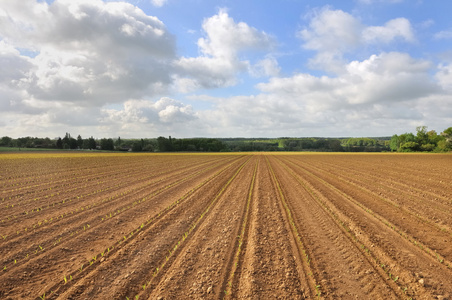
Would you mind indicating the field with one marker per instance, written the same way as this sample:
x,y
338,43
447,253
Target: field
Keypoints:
x,y
251,226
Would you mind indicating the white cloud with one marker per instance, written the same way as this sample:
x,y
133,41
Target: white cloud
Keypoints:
x,y
219,62
141,116
208,72
89,52
331,30
385,78
396,28
372,96
332,33
225,38
444,76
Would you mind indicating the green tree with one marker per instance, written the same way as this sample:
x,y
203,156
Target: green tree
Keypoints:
x,y
136,146
394,144
164,144
79,142
433,137
446,143
6,141
107,144
91,143
421,135
59,143
409,146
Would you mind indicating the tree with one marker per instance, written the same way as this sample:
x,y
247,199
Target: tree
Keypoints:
x,y
335,145
136,147
6,141
394,143
409,146
91,143
446,144
79,142
66,139
421,135
164,144
59,143
107,144
69,142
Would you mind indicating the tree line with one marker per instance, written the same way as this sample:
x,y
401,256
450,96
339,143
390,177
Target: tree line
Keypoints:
x,y
423,140
426,141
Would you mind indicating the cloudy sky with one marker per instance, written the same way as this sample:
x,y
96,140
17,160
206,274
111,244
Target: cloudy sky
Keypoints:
x,y
251,68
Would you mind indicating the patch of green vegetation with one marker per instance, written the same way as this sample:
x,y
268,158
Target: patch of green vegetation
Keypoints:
x,y
14,149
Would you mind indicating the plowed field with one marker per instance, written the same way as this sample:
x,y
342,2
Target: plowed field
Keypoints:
x,y
251,226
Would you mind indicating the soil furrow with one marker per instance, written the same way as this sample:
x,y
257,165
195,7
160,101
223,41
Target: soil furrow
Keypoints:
x,y
433,239
75,224
80,250
338,276
271,265
132,259
206,257
397,255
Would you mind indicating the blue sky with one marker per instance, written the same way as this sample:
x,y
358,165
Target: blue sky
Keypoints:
x,y
145,68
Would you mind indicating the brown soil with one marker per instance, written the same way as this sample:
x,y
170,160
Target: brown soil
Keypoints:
x,y
260,226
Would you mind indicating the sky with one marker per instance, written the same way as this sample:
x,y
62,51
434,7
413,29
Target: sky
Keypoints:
x,y
202,68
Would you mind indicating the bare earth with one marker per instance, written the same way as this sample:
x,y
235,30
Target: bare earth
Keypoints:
x,y
233,226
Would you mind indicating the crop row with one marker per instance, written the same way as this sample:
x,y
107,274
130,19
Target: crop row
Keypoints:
x,y
49,243
97,188
432,227
149,223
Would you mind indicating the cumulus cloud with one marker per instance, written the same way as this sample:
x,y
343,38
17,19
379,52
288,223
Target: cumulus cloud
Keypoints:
x,y
396,28
444,76
386,88
225,37
331,30
147,116
87,51
385,78
331,33
219,62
